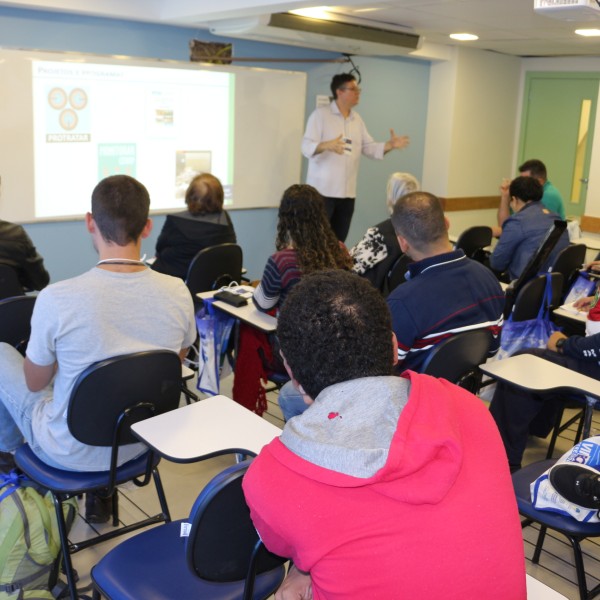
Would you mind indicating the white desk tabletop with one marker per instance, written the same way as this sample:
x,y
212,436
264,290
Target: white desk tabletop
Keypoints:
x,y
536,590
580,316
534,373
204,429
249,313
593,243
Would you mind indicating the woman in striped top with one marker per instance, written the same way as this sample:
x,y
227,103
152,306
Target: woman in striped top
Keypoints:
x,y
305,243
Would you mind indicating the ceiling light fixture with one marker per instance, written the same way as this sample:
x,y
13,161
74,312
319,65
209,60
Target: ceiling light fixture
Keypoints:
x,y
588,32
464,37
317,12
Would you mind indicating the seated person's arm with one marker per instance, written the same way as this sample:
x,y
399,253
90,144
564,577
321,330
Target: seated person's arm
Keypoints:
x,y
296,586
593,266
34,274
503,207
183,353
404,330
266,295
503,252
577,346
37,377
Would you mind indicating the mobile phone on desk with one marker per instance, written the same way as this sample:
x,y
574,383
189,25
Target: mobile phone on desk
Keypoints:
x,y
230,297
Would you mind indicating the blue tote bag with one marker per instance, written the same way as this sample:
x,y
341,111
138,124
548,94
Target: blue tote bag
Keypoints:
x,y
214,329
518,335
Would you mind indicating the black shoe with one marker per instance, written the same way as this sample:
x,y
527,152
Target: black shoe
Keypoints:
x,y
576,483
98,509
7,463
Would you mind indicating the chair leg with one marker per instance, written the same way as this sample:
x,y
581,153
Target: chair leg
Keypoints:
x,y
164,507
581,582
189,395
559,428
579,433
65,547
555,431
538,546
115,508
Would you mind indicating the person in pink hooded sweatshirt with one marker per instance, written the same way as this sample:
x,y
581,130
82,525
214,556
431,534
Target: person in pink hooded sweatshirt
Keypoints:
x,y
385,487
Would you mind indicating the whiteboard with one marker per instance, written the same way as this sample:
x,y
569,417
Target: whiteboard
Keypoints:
x,y
68,120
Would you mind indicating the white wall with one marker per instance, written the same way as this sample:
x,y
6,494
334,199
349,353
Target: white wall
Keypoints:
x,y
473,106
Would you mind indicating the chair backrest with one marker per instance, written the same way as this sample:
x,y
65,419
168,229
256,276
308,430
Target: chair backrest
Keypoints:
x,y
214,267
106,389
15,320
535,264
530,298
568,262
474,239
457,358
9,282
396,274
223,544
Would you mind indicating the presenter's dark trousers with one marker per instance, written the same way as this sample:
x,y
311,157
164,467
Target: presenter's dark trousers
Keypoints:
x,y
519,412
340,211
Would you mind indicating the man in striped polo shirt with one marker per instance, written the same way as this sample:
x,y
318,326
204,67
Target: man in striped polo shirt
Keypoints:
x,y
445,293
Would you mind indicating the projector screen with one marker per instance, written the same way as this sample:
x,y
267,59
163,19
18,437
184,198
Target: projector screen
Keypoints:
x,y
68,121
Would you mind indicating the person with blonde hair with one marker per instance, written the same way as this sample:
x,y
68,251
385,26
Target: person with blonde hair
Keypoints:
x,y
378,250
205,223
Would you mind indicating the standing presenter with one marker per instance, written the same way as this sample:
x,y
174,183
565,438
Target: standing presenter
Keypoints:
x,y
334,139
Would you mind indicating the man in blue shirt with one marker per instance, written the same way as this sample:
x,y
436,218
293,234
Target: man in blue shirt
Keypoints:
x,y
525,229
551,197
446,293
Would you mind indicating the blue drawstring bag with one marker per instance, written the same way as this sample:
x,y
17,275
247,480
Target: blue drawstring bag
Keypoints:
x,y
518,335
214,328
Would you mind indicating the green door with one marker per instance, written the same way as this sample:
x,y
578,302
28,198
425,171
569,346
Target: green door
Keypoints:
x,y
559,111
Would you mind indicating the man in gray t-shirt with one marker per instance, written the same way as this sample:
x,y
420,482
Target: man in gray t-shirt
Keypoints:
x,y
118,307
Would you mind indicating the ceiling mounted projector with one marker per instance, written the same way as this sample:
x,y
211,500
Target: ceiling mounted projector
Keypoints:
x,y
569,10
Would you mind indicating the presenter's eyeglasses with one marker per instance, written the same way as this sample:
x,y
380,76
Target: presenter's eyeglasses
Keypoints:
x,y
352,89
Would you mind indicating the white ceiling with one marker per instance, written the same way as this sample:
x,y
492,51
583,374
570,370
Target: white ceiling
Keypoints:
x,y
506,26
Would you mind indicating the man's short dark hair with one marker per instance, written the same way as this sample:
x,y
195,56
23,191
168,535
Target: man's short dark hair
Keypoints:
x,y
340,81
334,326
120,206
526,188
535,167
419,217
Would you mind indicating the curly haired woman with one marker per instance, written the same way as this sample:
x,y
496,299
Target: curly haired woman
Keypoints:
x,y
305,243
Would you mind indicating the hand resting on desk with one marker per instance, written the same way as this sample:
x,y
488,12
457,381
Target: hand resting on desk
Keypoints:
x,y
583,304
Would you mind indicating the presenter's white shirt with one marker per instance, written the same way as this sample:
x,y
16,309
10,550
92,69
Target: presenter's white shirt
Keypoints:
x,y
334,175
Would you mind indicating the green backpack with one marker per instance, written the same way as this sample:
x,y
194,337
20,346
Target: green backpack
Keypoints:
x,y
29,540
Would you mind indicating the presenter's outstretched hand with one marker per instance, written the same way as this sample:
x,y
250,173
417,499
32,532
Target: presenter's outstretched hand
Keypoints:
x,y
396,142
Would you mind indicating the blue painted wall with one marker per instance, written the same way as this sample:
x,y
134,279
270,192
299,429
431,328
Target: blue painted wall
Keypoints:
x,y
395,92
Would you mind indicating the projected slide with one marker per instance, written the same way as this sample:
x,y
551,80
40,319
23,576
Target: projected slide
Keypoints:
x,y
160,125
